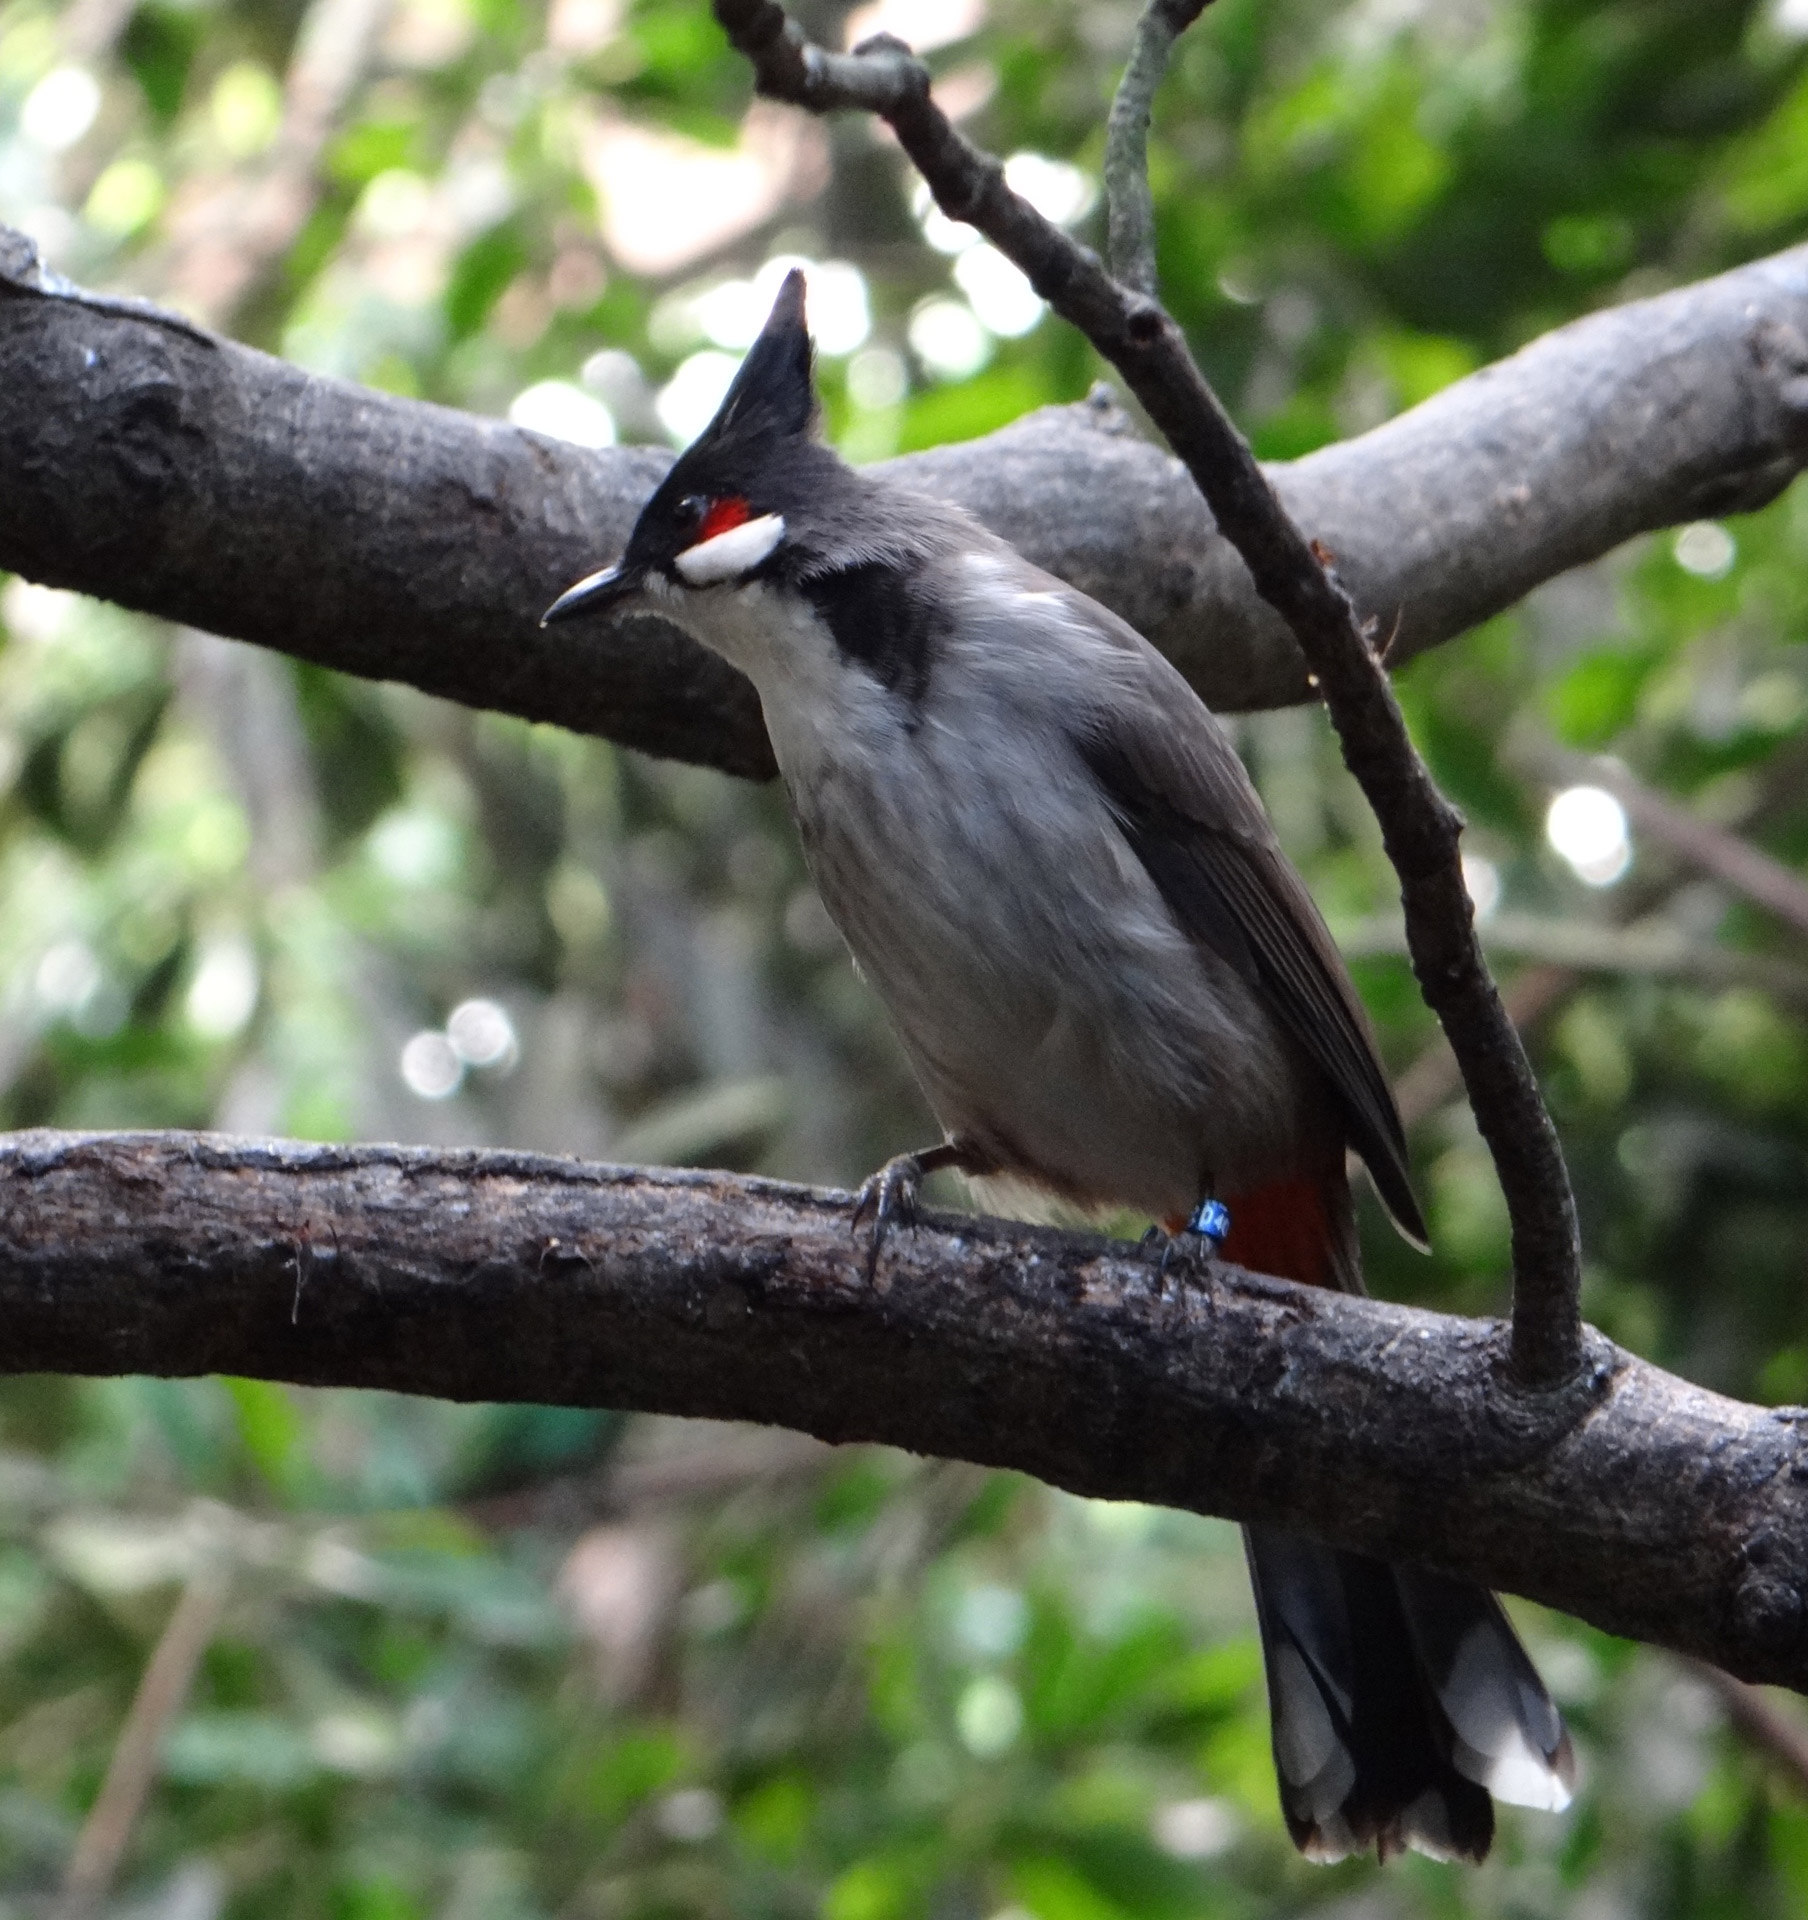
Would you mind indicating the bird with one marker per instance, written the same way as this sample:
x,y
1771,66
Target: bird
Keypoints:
x,y
1045,854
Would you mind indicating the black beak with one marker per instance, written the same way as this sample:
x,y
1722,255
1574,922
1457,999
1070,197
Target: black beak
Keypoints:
x,y
595,593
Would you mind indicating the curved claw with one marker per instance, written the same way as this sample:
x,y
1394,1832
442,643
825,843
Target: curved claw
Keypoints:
x,y
888,1195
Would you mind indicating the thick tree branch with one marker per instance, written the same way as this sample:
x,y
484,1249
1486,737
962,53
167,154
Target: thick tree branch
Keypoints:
x,y
1637,1501
232,492
1419,827
227,231
211,485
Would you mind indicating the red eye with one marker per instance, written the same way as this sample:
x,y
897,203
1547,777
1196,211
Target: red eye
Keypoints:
x,y
721,515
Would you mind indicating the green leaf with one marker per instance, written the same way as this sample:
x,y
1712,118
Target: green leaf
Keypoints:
x,y
271,1426
238,1749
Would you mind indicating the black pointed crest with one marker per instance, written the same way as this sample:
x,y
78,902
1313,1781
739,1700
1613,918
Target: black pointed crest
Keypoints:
x,y
773,393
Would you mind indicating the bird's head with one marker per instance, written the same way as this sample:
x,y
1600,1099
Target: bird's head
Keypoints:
x,y
755,494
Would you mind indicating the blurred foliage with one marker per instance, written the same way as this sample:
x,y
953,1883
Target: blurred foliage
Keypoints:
x,y
456,1674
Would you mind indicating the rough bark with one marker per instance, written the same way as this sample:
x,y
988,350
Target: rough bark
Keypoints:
x,y
224,489
1634,1500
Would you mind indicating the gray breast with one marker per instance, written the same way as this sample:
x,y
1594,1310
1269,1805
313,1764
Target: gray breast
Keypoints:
x,y
1047,1000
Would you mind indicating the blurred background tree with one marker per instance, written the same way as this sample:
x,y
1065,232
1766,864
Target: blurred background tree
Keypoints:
x,y
483,1662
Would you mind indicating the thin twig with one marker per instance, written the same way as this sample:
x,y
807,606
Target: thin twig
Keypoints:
x,y
728,1461
89,28
1420,829
168,1675
1433,1078
1780,1734
1129,206
1653,946
1747,869
227,233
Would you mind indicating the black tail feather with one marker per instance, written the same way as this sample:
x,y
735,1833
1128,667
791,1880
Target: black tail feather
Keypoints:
x,y
1398,1700
1505,1730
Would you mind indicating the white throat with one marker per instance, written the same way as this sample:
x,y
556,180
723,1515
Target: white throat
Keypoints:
x,y
816,705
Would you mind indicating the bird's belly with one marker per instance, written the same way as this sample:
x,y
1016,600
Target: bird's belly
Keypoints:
x,y
1054,1013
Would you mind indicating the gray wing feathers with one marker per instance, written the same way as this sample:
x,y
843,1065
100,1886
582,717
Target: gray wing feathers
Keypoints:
x,y
1189,810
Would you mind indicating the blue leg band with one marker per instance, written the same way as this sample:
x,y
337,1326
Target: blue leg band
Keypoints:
x,y
1211,1220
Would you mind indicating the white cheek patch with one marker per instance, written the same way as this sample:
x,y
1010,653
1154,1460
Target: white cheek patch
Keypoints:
x,y
731,554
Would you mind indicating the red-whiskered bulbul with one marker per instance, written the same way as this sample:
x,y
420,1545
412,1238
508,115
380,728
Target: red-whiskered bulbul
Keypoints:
x,y
1046,856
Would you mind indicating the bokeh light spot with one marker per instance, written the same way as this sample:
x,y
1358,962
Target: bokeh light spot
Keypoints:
x,y
947,337
1194,1829
1000,293
430,1067
989,1716
688,401
60,109
562,411
1705,549
128,195
482,1034
1481,877
223,993
1587,826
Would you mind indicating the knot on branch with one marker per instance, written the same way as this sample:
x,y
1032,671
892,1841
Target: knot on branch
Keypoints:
x,y
1145,322
1529,1419
884,75
780,55
887,46
1767,1605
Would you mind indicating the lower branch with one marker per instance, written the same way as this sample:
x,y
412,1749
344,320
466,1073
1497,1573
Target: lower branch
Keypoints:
x,y
1633,1499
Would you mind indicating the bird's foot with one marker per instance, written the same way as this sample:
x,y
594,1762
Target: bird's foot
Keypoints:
x,y
1190,1245
889,1196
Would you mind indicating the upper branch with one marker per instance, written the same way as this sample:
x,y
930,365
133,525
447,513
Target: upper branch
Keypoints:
x,y
1643,1504
1419,827
1129,206
155,465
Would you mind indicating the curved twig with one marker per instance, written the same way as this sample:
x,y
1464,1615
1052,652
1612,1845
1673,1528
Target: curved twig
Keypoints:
x,y
1419,828
1129,206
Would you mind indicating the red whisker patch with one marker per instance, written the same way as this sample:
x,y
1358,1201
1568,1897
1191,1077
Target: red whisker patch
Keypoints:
x,y
723,516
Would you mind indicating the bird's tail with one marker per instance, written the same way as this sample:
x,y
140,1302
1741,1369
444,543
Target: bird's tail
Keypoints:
x,y
1402,1703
